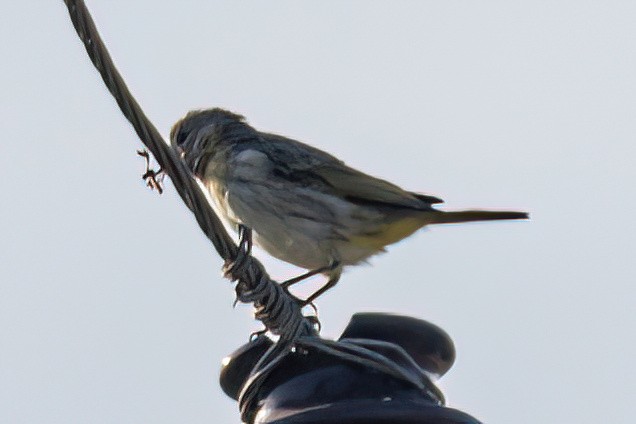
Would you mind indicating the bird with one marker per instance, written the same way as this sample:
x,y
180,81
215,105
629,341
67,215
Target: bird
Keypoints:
x,y
302,205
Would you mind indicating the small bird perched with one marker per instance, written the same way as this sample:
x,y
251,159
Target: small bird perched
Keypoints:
x,y
303,205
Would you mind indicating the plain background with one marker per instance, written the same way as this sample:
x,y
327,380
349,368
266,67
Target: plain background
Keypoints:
x,y
112,306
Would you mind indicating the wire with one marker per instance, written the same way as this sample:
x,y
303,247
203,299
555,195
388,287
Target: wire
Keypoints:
x,y
275,308
278,311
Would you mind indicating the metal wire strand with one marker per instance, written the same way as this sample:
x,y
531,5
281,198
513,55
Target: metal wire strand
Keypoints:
x,y
279,312
358,352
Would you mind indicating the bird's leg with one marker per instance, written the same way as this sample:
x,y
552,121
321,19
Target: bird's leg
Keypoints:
x,y
288,283
332,281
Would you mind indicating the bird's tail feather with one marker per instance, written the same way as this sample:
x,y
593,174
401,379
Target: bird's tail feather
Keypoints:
x,y
440,217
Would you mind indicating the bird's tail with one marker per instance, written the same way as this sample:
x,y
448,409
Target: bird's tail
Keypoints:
x,y
441,217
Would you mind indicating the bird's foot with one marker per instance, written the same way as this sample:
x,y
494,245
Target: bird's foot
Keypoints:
x,y
232,267
302,303
245,239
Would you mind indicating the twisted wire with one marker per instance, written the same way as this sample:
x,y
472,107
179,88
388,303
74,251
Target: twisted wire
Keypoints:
x,y
279,312
277,309
360,352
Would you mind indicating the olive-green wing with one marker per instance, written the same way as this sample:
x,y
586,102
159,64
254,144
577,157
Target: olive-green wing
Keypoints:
x,y
305,164
358,186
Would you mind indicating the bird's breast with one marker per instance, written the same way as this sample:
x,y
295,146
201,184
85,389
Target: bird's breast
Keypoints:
x,y
218,192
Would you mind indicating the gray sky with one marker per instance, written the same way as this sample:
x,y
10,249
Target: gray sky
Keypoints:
x,y
112,307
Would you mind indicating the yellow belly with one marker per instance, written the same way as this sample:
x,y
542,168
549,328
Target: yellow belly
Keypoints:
x,y
389,233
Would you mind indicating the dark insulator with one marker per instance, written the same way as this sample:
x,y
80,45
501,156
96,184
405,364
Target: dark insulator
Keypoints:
x,y
428,345
310,386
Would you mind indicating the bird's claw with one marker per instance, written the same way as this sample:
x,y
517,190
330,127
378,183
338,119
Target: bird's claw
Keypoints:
x,y
300,302
245,239
231,268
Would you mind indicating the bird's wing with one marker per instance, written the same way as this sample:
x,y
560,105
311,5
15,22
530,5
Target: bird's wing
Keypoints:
x,y
303,163
358,186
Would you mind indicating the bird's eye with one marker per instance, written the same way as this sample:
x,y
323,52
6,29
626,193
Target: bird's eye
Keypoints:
x,y
181,137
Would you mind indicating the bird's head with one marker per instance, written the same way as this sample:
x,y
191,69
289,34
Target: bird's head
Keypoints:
x,y
196,135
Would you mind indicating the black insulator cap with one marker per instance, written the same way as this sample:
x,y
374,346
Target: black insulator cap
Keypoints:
x,y
430,346
237,366
311,386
